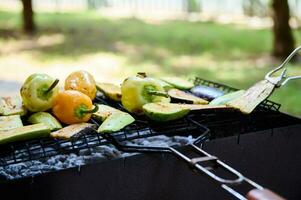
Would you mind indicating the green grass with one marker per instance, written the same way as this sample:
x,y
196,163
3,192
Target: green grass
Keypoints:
x,y
230,54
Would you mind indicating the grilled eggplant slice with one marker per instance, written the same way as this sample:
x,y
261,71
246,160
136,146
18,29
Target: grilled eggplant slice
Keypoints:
x,y
110,90
72,131
164,111
186,97
12,106
115,122
206,92
223,100
46,118
10,122
179,83
247,102
104,112
24,133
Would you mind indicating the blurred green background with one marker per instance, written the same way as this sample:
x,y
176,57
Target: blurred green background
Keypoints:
x,y
113,48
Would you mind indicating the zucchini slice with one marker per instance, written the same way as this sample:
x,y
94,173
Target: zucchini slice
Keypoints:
x,y
24,133
164,111
12,106
71,131
184,96
46,118
110,90
10,122
223,100
104,112
178,82
115,122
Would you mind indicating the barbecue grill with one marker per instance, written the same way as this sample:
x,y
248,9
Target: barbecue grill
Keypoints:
x,y
209,128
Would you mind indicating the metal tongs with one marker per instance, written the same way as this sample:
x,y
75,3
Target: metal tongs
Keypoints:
x,y
283,78
264,88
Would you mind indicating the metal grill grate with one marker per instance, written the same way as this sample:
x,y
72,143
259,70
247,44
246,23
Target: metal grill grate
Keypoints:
x,y
218,121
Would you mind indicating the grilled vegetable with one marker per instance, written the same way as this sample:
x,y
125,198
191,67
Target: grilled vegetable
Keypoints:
x,y
164,111
45,118
115,122
12,106
164,84
10,122
38,92
73,130
72,107
206,92
110,90
201,107
104,112
184,96
81,81
178,83
247,102
223,100
139,90
24,133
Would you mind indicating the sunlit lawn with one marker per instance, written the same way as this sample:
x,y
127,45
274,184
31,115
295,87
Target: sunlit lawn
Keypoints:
x,y
114,49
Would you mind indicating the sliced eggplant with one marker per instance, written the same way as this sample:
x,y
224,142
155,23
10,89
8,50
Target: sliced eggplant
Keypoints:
x,y
110,90
206,92
115,122
24,133
71,131
186,97
10,122
223,100
247,102
104,112
178,83
46,118
164,111
12,106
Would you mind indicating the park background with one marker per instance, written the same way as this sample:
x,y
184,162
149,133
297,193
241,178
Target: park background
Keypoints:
x,y
235,42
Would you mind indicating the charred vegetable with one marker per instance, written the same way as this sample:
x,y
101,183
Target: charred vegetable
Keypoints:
x,y
12,106
184,96
178,83
223,100
45,118
206,92
24,133
115,122
38,92
72,131
110,90
104,112
247,102
81,81
72,107
139,90
164,111
10,122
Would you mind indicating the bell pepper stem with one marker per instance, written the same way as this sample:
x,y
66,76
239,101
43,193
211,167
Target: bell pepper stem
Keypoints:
x,y
55,82
95,109
157,93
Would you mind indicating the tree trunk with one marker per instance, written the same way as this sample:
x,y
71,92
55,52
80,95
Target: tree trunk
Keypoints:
x,y
283,38
28,17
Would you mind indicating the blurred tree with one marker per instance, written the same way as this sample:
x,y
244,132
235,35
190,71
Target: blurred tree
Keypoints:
x,y
255,8
28,17
283,39
193,6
